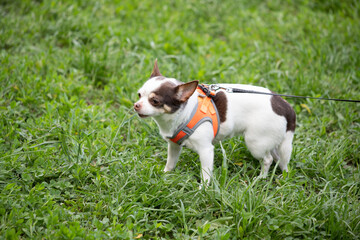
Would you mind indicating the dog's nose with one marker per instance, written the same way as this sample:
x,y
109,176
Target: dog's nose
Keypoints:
x,y
137,106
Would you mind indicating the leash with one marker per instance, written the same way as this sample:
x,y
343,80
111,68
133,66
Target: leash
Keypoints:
x,y
215,87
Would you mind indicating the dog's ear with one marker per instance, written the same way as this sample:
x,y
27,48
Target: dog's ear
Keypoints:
x,y
155,71
184,91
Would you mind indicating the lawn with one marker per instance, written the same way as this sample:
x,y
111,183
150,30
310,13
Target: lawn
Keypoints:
x,y
77,163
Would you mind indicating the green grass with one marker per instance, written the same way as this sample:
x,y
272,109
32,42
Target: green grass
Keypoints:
x,y
76,163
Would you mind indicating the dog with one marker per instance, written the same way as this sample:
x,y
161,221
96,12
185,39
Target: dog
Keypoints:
x,y
267,121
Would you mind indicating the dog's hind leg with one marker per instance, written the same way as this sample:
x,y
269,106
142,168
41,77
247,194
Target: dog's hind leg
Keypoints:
x,y
266,163
285,150
275,154
260,148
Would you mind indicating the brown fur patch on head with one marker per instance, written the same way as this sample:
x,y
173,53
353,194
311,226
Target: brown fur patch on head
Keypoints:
x,y
220,101
166,95
283,108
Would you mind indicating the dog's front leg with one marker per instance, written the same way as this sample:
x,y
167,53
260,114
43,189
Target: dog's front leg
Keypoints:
x,y
173,156
207,164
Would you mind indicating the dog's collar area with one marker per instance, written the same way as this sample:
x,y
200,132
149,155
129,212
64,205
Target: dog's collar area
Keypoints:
x,y
205,110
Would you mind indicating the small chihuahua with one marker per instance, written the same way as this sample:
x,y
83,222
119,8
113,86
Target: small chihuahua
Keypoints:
x,y
187,114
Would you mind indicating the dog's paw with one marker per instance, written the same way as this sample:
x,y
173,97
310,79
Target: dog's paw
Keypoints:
x,y
204,185
261,177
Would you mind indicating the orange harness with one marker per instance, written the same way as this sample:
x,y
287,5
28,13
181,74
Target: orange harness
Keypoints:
x,y
204,111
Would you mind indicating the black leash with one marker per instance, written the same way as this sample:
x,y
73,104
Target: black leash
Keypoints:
x,y
237,90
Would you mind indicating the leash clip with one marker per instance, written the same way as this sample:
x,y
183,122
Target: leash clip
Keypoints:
x,y
215,87
229,90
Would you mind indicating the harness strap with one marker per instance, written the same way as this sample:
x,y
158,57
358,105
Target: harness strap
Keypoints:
x,y
205,110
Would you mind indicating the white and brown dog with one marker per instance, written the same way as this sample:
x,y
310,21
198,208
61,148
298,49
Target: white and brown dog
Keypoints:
x,y
186,116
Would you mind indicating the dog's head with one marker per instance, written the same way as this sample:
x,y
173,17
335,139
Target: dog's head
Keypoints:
x,y
160,95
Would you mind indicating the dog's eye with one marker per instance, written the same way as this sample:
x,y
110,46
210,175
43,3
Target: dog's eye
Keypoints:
x,y
139,95
154,101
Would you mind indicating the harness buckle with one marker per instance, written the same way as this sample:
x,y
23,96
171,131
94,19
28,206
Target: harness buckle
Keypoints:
x,y
207,90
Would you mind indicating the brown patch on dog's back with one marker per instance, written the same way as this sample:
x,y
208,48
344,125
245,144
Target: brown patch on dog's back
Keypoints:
x,y
220,101
283,108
